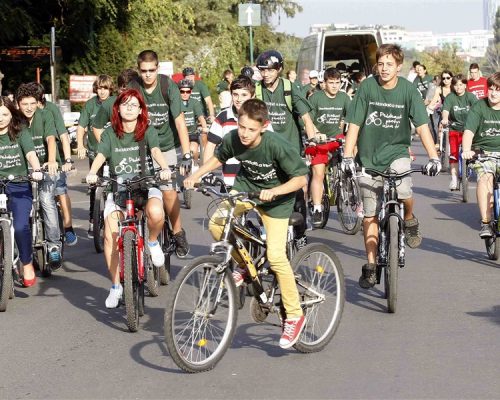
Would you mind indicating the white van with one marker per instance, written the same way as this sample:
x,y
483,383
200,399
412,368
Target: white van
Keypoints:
x,y
326,48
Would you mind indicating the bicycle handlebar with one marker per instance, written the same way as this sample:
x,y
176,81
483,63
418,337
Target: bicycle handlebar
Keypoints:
x,y
393,175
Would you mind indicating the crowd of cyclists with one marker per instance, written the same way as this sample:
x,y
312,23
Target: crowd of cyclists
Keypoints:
x,y
270,135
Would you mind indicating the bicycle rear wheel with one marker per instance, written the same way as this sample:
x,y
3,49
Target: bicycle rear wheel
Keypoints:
x,y
152,272
187,194
348,201
200,316
6,264
465,181
322,295
166,245
492,247
131,285
392,268
98,218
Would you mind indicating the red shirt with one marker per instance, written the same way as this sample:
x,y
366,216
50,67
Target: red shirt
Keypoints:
x,y
479,87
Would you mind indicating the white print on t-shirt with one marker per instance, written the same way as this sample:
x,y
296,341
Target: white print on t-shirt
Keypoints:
x,y
490,132
384,120
261,172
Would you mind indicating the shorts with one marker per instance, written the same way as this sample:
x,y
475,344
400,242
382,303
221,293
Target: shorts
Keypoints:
x,y
171,158
319,153
110,205
61,185
372,187
194,137
487,166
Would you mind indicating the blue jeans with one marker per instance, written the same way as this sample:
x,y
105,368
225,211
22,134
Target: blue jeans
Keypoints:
x,y
20,201
46,191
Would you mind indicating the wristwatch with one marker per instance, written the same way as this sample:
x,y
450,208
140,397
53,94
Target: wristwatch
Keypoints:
x,y
186,156
69,161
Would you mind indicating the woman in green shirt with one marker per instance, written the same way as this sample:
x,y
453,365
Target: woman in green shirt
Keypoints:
x,y
119,146
16,146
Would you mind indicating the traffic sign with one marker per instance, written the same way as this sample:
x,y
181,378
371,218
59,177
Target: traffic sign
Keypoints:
x,y
249,14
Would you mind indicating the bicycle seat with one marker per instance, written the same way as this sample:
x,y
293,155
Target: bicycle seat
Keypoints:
x,y
296,219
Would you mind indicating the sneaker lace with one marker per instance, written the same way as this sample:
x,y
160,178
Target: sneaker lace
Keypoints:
x,y
289,328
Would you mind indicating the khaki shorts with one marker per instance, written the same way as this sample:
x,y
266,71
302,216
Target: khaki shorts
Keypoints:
x,y
372,187
171,158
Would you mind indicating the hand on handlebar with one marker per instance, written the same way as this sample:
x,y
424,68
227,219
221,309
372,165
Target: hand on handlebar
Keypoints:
x,y
468,155
189,182
166,174
81,152
348,166
267,195
433,167
37,176
91,179
52,167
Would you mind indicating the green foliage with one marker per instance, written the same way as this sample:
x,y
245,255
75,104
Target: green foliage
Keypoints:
x,y
493,52
435,61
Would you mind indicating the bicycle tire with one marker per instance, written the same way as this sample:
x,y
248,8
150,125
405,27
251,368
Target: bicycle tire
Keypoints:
x,y
348,198
131,281
465,181
98,218
164,239
62,236
445,154
152,273
41,251
492,247
325,215
187,195
6,266
319,269
189,315
392,268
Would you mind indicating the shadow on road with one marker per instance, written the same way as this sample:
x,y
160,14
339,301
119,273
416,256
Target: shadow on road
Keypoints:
x,y
493,315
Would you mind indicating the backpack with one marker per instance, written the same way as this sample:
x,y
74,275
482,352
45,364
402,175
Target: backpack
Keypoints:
x,y
287,89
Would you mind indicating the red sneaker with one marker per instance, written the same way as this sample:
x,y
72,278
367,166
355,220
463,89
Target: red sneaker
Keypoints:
x,y
239,276
291,331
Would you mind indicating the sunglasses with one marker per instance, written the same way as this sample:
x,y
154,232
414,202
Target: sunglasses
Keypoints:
x,y
445,78
185,91
151,71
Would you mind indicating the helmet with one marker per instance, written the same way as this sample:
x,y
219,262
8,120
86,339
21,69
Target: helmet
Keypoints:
x,y
185,83
341,67
313,74
247,71
188,71
270,59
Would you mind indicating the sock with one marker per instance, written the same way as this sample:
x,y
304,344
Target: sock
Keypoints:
x,y
153,244
318,207
69,229
115,286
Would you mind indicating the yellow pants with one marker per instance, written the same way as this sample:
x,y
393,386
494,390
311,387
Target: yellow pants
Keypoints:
x,y
276,232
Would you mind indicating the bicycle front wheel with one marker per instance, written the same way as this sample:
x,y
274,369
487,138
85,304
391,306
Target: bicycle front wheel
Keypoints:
x,y
131,289
492,247
392,268
98,224
6,264
348,201
322,295
188,198
465,181
201,314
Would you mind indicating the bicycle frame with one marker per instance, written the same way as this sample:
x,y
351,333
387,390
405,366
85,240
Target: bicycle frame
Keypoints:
x,y
6,215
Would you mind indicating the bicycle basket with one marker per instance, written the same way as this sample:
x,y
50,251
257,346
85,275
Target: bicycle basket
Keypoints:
x,y
217,211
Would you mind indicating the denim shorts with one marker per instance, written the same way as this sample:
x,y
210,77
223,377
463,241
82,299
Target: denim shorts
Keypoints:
x,y
61,184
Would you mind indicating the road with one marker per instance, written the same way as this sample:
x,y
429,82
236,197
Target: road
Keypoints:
x,y
59,341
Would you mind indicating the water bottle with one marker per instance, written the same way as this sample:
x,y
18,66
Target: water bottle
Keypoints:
x,y
105,171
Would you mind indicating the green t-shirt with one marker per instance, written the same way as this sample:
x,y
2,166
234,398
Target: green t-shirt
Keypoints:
x,y
192,111
103,115
58,118
281,118
458,107
327,112
162,114
87,116
222,86
13,154
384,119
199,92
41,127
270,164
123,154
484,122
423,85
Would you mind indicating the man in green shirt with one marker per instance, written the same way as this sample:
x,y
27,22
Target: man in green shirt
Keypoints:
x,y
273,168
329,108
482,131
44,134
379,124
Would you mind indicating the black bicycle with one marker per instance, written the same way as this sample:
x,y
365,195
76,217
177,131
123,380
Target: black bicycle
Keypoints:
x,y
202,305
391,236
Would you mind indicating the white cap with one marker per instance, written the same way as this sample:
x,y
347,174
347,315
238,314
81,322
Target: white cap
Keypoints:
x,y
313,74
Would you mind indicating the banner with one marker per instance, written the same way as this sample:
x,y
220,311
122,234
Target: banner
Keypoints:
x,y
80,88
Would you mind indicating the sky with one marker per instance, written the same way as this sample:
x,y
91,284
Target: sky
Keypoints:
x,y
439,16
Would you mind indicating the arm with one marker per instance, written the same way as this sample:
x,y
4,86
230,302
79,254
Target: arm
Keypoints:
x,y
97,133
207,167
97,164
209,151
180,124
467,152
294,184
64,137
158,157
203,122
435,99
80,133
33,160
351,139
210,106
427,140
444,119
309,126
51,155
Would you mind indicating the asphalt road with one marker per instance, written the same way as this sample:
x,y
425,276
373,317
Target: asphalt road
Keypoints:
x,y
57,340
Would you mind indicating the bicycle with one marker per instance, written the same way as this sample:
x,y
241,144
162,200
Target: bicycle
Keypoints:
x,y
40,245
202,306
342,190
8,258
391,244
444,148
98,211
463,175
492,244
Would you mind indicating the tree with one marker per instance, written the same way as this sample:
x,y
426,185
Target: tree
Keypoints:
x,y
493,52
445,58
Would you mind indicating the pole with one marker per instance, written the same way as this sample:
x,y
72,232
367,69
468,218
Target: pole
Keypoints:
x,y
251,46
38,69
53,63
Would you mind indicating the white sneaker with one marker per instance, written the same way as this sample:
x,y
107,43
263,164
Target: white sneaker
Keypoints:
x,y
157,256
453,183
114,297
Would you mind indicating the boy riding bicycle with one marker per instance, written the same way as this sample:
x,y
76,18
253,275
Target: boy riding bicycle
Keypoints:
x,y
273,167
329,108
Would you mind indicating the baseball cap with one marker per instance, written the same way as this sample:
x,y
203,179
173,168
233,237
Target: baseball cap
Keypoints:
x,y
313,74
